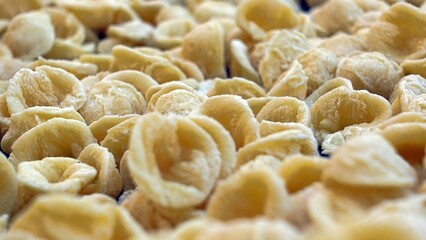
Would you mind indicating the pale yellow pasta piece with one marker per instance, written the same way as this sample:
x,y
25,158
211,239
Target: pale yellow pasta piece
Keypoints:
x,y
264,161
256,104
102,61
106,45
409,141
172,12
171,33
285,109
55,175
306,26
279,145
10,9
240,62
152,216
214,9
268,127
336,15
176,173
5,52
190,69
414,67
343,45
142,82
235,115
371,71
64,49
292,83
106,220
404,117
249,193
365,21
127,179
108,180
405,93
256,17
57,137
205,46
148,10
8,186
319,65
79,69
100,127
173,97
99,14
46,86
342,107
112,98
118,137
4,115
159,68
135,32
398,33
371,5
276,53
9,67
327,87
299,171
236,86
223,140
259,228
368,161
30,34
67,26
31,117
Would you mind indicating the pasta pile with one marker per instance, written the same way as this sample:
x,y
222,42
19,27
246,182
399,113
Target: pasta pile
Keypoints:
x,y
213,119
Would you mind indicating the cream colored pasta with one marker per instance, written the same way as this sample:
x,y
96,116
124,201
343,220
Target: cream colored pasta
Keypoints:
x,y
78,69
240,62
8,186
285,109
292,83
408,94
171,33
135,32
236,86
100,127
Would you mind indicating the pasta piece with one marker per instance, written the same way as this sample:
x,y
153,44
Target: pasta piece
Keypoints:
x,y
142,82
319,65
171,33
135,32
223,141
112,98
249,193
405,117
235,115
31,117
414,67
117,138
9,67
267,127
152,216
368,162
55,175
11,9
99,14
30,35
205,46
63,49
106,220
264,161
80,70
299,171
176,173
57,137
240,62
100,127
172,12
127,179
148,10
327,87
336,15
102,61
279,145
236,86
285,109
398,39
190,69
408,140
173,97
372,72
343,45
256,104
46,86
342,107
208,10
365,21
257,17
292,83
406,94
276,53
67,26
107,180
8,186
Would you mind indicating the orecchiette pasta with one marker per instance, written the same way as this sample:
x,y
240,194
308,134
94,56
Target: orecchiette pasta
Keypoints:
x,y
142,82
80,70
249,193
292,83
285,109
257,17
102,61
407,95
31,117
171,33
8,186
343,45
179,172
240,62
107,180
100,127
327,87
57,137
414,67
135,32
268,127
214,9
235,115
236,86
46,86
112,98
